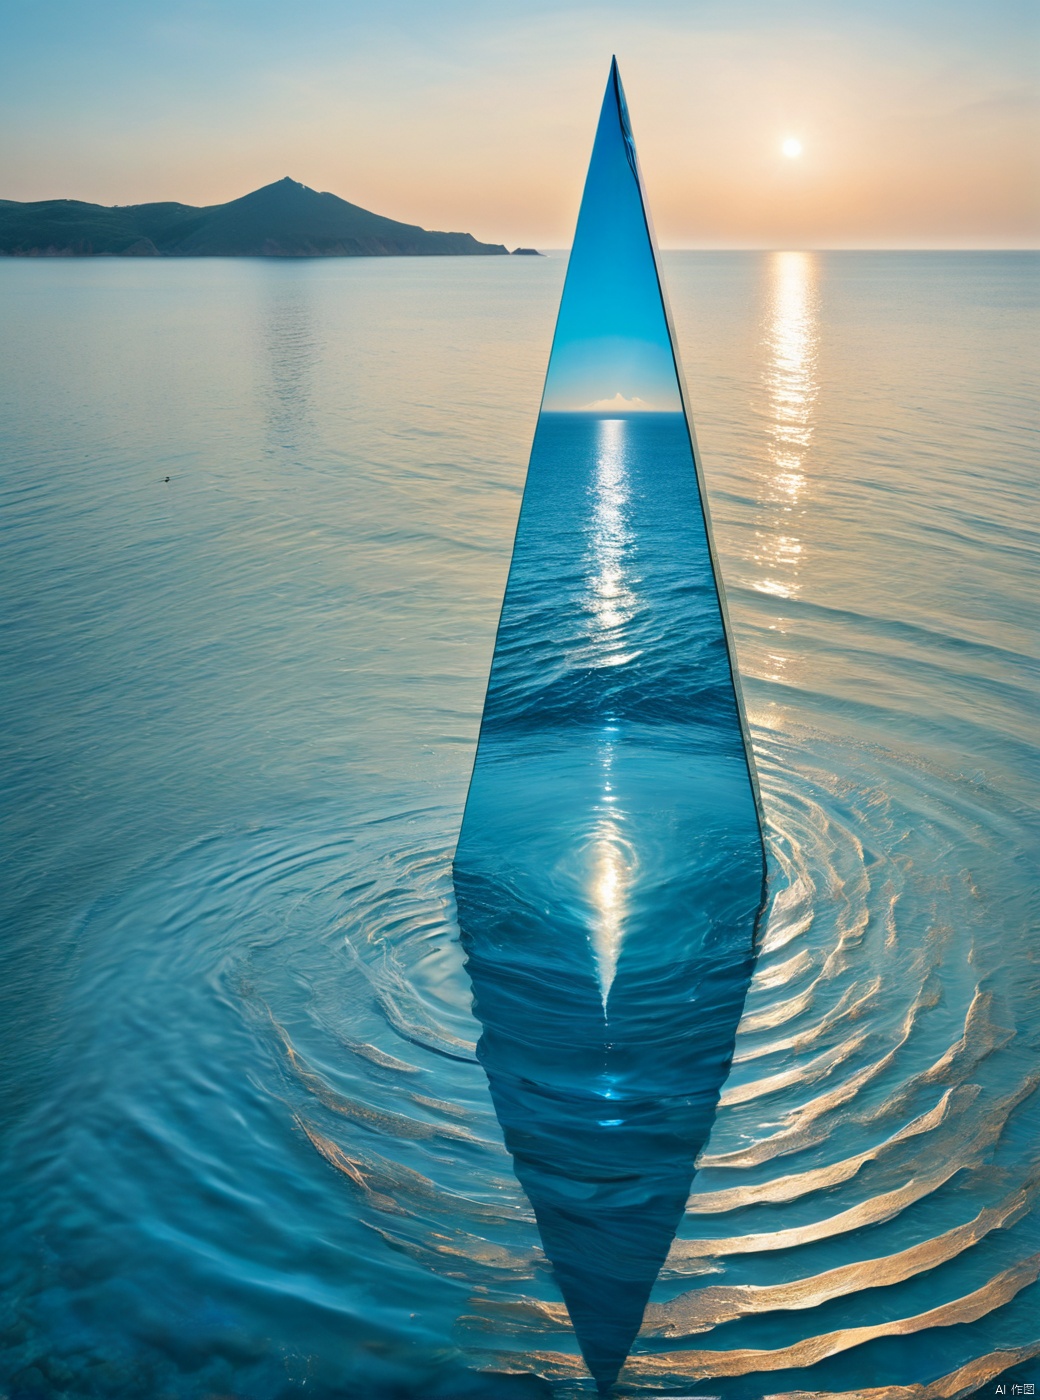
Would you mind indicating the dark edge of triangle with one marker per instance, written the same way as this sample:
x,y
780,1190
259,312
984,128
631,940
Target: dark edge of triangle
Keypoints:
x,y
702,489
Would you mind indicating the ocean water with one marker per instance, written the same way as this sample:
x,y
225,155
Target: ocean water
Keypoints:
x,y
610,870
247,1148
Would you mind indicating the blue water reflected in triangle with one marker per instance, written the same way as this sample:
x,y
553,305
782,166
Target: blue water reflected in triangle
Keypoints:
x,y
610,868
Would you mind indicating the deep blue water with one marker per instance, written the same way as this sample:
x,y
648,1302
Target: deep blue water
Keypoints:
x,y
610,869
248,1149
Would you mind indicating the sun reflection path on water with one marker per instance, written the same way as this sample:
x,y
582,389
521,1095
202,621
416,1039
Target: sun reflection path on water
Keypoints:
x,y
791,342
608,895
612,604
610,600
612,872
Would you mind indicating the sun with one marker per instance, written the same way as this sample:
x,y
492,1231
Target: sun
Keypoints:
x,y
792,148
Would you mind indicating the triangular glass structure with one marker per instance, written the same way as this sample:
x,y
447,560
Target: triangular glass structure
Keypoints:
x,y
610,869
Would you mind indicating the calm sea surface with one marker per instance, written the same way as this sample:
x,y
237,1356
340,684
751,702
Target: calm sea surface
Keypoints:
x,y
255,522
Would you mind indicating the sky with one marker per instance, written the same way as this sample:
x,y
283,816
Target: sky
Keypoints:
x,y
612,345
918,119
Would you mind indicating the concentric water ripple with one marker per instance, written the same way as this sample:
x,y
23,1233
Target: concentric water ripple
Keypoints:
x,y
306,985
247,1149
862,1180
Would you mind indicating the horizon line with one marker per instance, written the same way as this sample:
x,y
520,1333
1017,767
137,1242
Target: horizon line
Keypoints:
x,y
833,248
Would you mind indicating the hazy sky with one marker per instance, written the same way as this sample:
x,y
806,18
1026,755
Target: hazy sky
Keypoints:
x,y
918,118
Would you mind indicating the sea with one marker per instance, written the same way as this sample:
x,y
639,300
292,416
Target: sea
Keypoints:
x,y
255,524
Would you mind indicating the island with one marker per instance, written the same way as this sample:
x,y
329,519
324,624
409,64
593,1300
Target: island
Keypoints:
x,y
282,220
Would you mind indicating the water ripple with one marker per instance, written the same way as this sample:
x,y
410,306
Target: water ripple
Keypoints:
x,y
337,957
250,1148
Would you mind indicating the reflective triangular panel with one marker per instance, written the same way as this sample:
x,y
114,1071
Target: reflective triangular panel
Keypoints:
x,y
610,869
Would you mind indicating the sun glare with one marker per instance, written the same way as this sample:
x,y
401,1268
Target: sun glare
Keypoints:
x,y
792,148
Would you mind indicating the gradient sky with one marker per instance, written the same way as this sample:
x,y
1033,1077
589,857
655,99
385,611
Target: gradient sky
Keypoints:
x,y
611,341
918,117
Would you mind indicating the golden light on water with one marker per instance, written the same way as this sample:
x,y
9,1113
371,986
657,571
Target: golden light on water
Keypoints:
x,y
791,337
609,879
611,604
611,600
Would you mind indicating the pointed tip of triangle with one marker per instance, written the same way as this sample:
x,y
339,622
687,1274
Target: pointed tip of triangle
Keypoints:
x,y
614,101
608,1194
606,1261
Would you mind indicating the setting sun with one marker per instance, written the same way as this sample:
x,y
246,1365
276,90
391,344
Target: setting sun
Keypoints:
x,y
792,147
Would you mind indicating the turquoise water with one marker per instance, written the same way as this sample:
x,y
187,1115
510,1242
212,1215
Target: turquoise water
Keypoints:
x,y
247,1147
610,870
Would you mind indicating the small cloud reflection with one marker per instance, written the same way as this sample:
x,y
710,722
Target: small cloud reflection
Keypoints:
x,y
791,344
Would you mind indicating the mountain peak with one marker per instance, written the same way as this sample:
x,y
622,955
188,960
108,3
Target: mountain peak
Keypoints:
x,y
287,186
283,219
